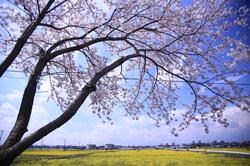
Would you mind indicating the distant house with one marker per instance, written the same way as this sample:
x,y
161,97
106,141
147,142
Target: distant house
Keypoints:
x,y
126,148
161,147
91,147
109,146
101,147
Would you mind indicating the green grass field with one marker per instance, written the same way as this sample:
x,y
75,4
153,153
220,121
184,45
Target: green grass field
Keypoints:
x,y
126,158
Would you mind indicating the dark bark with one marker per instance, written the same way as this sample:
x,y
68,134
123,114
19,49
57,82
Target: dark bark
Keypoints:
x,y
7,155
20,126
23,39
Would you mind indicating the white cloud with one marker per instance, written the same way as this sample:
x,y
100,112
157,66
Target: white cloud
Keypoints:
x,y
85,129
230,78
126,131
102,5
45,91
235,78
238,117
239,123
6,109
179,83
14,95
143,131
8,115
39,118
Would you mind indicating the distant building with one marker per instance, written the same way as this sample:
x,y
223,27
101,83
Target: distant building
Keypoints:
x,y
109,146
91,147
101,147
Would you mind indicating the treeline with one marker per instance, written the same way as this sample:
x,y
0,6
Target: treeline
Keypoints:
x,y
199,144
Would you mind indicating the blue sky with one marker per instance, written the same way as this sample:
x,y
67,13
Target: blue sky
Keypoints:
x,y
86,128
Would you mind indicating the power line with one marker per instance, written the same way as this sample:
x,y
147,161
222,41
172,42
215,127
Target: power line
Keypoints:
x,y
135,79
222,83
14,71
21,78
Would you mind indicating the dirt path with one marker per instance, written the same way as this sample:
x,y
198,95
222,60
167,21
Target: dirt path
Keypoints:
x,y
231,153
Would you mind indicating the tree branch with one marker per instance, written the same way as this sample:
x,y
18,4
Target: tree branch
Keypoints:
x,y
23,39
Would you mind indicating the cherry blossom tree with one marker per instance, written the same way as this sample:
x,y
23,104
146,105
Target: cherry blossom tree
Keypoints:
x,y
90,50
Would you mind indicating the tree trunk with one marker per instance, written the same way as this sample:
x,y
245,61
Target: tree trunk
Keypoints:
x,y
8,155
5,158
20,126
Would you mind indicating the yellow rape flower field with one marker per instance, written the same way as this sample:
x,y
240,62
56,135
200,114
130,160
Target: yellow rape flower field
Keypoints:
x,y
126,158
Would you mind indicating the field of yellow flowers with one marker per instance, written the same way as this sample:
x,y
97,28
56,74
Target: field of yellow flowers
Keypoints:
x,y
126,158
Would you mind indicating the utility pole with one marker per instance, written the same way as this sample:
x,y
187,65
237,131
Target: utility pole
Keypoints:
x,y
64,147
1,136
41,144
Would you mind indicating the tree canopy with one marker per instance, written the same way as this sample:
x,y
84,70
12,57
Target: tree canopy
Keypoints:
x,y
137,54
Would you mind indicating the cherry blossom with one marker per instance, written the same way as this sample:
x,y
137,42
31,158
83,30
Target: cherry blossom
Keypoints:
x,y
137,55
